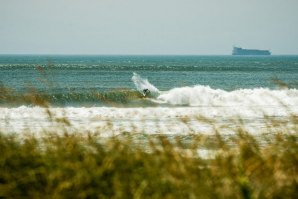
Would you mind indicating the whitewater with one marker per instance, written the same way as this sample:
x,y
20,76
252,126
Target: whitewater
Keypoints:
x,y
182,110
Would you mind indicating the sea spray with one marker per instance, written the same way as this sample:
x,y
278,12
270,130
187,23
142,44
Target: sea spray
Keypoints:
x,y
142,84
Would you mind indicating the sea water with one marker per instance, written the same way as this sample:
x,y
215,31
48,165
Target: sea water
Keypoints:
x,y
187,93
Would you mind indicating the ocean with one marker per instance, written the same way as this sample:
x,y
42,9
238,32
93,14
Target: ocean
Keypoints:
x,y
186,93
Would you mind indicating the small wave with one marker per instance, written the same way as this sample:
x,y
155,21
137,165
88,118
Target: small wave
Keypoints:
x,y
117,97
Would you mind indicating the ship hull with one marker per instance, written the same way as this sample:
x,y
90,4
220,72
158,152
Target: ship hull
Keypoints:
x,y
241,51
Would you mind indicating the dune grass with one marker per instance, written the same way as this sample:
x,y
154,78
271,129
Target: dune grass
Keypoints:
x,y
88,166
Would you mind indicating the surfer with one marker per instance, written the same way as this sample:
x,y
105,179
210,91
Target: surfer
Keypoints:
x,y
146,92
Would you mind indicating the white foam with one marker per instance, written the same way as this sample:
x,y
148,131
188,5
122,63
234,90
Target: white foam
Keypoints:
x,y
178,120
206,96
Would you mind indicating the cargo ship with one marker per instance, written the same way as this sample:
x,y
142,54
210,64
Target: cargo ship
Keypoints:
x,y
242,51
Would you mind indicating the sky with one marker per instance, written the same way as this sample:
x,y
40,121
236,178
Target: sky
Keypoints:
x,y
197,27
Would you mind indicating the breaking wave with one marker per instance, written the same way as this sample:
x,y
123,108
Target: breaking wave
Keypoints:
x,y
206,96
193,96
200,95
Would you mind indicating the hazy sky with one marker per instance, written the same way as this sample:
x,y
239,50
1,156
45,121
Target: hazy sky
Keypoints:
x,y
147,26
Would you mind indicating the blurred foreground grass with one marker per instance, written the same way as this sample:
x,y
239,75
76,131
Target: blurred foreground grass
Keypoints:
x,y
89,166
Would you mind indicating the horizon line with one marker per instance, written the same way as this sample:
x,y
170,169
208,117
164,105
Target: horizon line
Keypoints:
x,y
116,54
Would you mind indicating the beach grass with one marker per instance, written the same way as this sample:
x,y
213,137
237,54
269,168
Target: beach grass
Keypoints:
x,y
85,165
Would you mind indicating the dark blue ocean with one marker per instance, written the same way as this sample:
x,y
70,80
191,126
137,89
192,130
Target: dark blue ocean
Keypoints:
x,y
60,75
